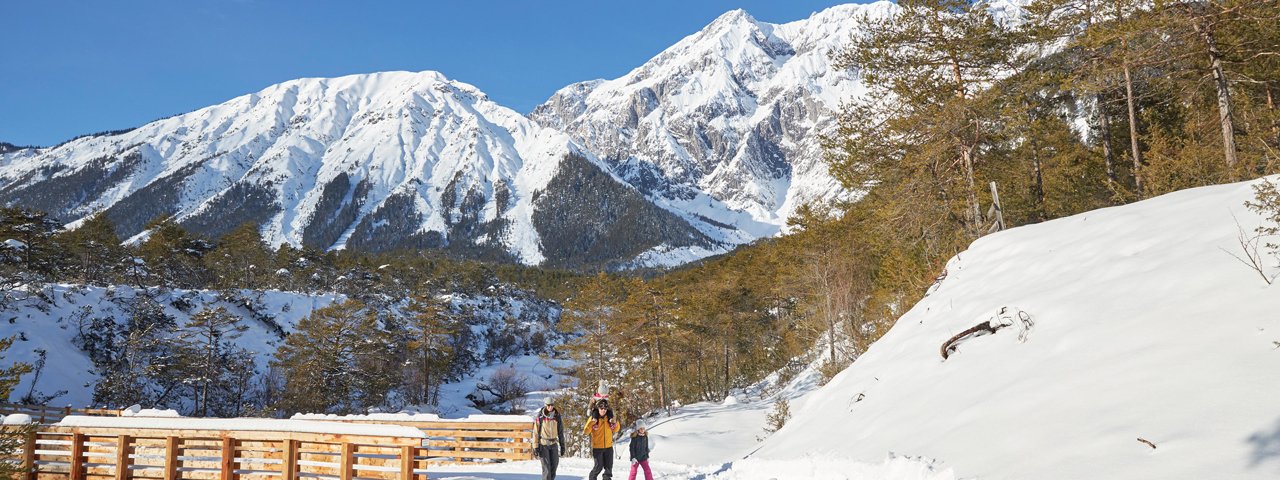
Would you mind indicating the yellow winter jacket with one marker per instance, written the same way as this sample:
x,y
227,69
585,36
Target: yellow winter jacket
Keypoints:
x,y
601,431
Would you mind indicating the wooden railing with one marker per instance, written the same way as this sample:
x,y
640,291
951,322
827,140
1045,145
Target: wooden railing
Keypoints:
x,y
45,414
80,453
457,442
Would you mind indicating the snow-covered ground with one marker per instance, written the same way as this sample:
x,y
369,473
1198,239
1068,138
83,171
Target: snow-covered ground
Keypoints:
x,y
1142,327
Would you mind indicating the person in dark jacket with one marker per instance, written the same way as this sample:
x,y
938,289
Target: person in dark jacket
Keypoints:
x,y
548,438
640,452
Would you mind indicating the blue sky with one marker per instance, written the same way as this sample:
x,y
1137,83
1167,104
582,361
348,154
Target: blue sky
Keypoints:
x,y
74,67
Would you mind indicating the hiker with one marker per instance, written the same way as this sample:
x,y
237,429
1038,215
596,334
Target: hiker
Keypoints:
x,y
600,428
640,447
548,438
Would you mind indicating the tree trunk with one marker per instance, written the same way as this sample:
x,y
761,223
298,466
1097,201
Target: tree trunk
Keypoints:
x,y
831,326
975,210
1136,150
726,367
1225,115
966,156
1037,174
662,375
1104,124
1271,106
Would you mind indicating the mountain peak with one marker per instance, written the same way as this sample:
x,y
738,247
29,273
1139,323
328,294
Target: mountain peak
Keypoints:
x,y
736,15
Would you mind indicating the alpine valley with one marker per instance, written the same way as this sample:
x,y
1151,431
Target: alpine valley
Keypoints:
x,y
711,144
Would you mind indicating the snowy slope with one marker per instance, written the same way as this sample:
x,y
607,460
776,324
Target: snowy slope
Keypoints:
x,y
1142,327
50,322
52,326
377,161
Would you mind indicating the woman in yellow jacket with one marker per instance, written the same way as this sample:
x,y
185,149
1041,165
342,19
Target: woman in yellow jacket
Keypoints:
x,y
601,427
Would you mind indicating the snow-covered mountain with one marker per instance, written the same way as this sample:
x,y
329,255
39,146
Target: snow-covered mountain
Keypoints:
x,y
725,126
376,162
712,143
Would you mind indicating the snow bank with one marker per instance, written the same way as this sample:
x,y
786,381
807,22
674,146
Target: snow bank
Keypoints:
x,y
243,424
1138,326
138,411
412,417
18,419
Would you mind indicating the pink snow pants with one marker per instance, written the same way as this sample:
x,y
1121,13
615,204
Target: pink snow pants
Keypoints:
x,y
648,475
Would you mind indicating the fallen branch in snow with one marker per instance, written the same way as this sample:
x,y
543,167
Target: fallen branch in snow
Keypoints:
x,y
1148,442
949,346
1001,319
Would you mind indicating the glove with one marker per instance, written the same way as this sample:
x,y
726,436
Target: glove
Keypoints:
x,y
561,450
633,462
537,452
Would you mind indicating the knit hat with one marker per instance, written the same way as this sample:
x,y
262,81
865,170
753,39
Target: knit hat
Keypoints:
x,y
602,391
547,401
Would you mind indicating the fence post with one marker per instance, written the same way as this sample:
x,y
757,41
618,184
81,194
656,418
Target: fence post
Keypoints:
x,y
29,456
171,458
406,462
122,456
228,468
348,461
77,456
290,460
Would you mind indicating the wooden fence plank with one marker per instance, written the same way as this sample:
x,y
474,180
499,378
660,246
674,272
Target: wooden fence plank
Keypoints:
x,y
77,456
348,457
171,452
122,456
290,460
227,465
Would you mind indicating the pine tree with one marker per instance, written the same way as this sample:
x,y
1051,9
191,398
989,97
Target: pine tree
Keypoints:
x,y
214,363
95,250
12,437
337,361
173,255
29,256
428,347
240,260
590,314
923,65
139,361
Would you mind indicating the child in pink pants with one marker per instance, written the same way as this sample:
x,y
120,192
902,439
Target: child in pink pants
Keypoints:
x,y
640,452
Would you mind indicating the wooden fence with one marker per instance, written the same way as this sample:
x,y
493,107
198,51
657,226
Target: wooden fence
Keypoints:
x,y
456,442
447,443
82,453
44,414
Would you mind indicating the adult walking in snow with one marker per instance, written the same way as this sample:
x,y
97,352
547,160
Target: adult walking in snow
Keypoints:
x,y
600,428
548,438
640,448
